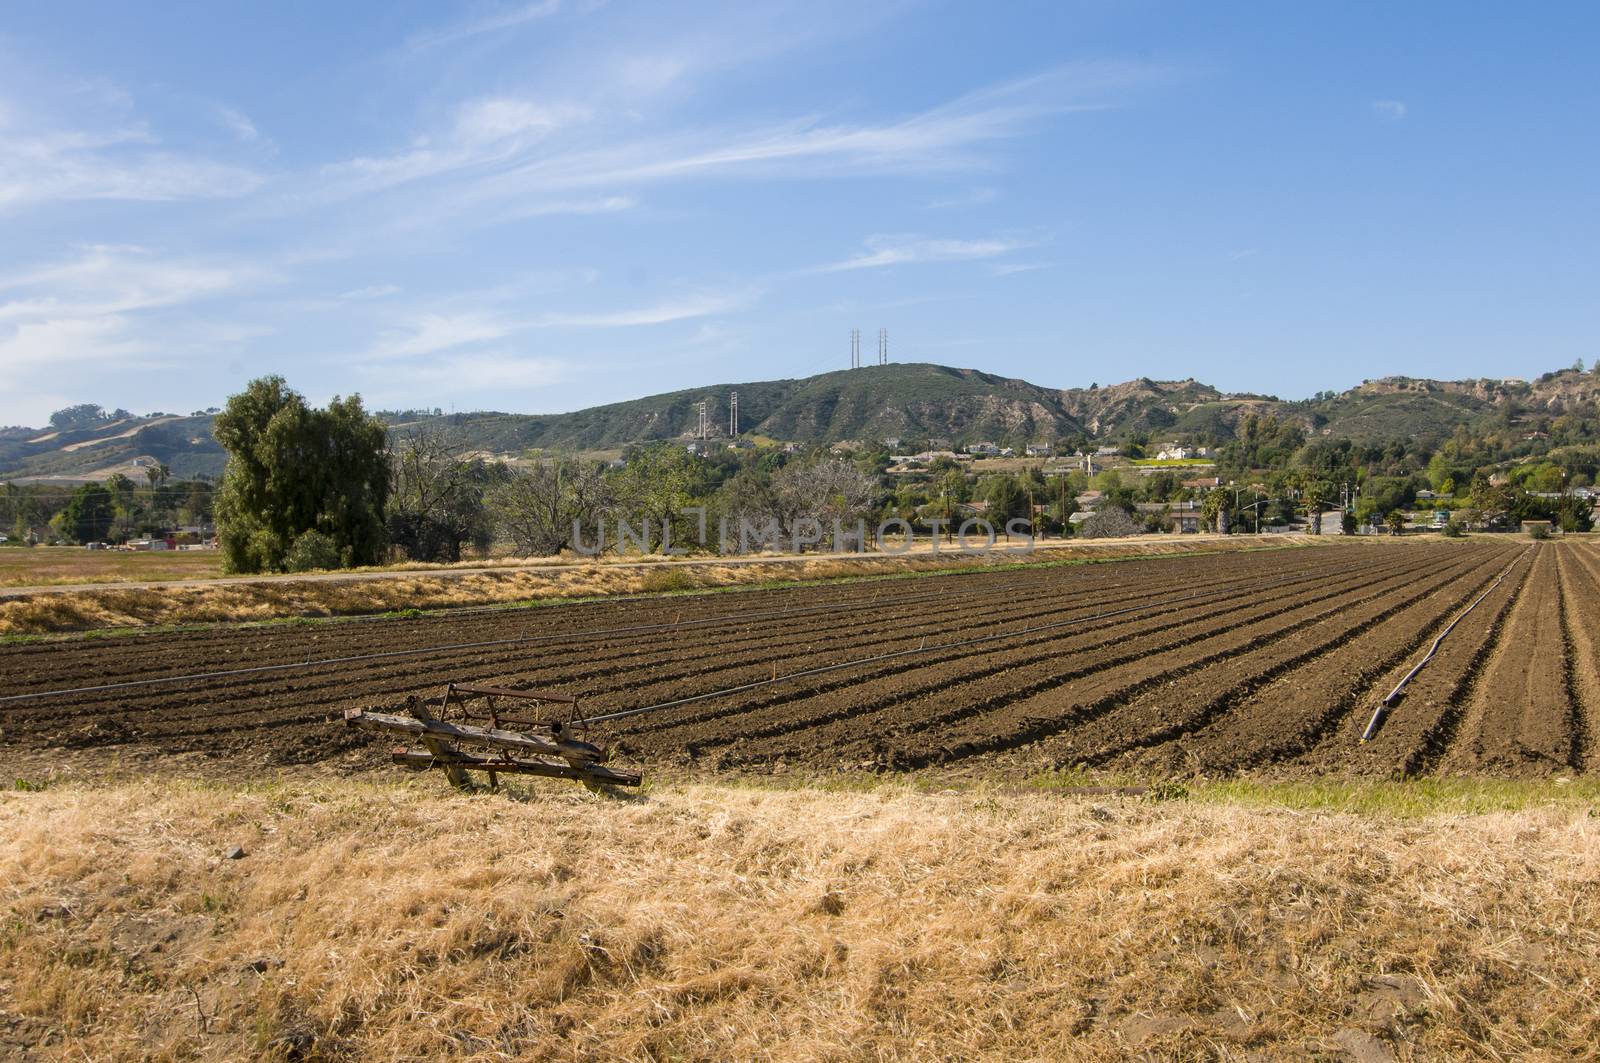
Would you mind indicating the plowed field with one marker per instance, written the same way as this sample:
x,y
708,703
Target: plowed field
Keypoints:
x,y
1268,663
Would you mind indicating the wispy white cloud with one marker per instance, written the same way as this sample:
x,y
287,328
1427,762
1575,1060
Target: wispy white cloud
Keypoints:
x,y
897,250
108,279
501,158
694,306
452,326
427,333
1394,110
491,20
44,345
238,123
119,158
974,197
371,291
408,384
594,205
114,306
482,133
1244,253
1007,269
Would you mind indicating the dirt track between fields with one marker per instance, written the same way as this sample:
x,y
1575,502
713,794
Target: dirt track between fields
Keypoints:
x,y
1265,663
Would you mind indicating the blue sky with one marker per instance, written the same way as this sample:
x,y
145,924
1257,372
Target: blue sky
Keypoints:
x,y
541,206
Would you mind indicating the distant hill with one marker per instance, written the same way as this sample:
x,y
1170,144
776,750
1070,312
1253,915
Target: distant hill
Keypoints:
x,y
96,451
871,402
906,400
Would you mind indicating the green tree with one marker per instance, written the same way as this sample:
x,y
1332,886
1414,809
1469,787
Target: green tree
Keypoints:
x,y
1007,499
293,469
88,514
312,551
653,490
1216,509
1397,522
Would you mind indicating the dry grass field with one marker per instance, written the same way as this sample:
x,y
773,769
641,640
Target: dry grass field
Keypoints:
x,y
397,921
42,566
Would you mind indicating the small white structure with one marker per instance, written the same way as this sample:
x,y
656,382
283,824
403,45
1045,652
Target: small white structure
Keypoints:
x,y
1332,522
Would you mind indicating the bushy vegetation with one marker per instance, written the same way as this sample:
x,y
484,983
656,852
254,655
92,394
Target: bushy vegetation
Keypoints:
x,y
294,469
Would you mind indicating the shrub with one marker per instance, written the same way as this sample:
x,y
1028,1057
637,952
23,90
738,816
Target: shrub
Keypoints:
x,y
312,550
1539,531
1454,530
663,581
1109,522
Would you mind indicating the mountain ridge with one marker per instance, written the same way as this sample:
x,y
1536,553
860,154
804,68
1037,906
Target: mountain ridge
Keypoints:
x,y
909,401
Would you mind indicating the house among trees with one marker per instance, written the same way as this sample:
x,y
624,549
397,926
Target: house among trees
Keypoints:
x,y
1174,517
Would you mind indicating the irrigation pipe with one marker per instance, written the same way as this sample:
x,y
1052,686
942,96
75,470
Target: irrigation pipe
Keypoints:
x,y
1393,696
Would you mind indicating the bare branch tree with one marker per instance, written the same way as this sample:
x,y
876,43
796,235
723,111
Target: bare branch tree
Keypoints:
x,y
436,495
538,506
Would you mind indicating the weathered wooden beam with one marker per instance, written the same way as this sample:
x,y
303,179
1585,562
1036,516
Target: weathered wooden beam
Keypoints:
x,y
437,748
546,745
507,692
584,773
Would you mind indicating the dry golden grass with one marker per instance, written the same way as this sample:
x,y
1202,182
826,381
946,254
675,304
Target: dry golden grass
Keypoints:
x,y
720,922
41,566
288,596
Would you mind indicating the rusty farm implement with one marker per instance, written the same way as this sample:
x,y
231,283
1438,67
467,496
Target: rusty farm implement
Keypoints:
x,y
503,745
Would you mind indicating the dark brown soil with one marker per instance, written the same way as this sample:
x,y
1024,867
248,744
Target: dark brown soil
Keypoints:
x,y
1265,662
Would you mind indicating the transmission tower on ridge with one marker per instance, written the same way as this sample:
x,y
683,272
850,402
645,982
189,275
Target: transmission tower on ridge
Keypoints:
x,y
855,348
883,346
704,430
733,415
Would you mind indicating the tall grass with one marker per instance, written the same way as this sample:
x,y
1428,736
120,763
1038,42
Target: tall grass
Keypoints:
x,y
712,922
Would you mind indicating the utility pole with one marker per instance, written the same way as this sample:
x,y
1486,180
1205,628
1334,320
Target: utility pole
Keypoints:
x,y
733,416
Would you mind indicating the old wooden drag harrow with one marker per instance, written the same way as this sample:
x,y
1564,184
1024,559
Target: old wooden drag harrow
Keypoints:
x,y
548,748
